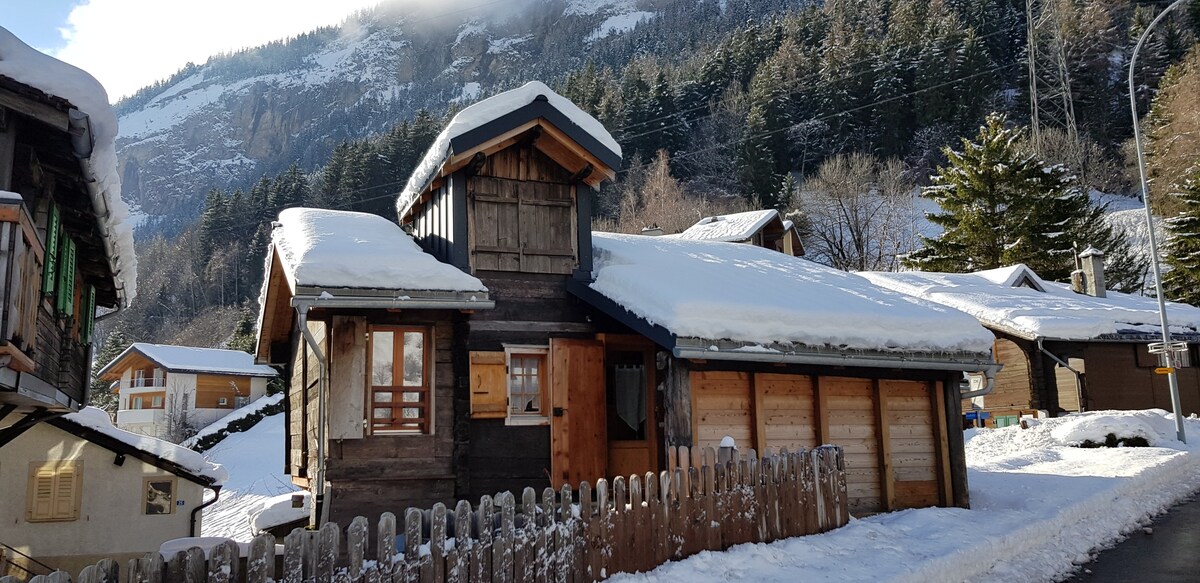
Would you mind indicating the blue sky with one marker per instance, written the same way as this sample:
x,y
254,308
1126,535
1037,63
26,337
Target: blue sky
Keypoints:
x,y
37,21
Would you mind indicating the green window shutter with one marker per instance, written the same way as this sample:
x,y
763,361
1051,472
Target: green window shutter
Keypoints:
x,y
66,277
50,267
89,314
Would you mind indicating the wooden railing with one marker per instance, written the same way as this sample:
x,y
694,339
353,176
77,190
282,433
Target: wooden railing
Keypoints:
x,y
21,256
563,536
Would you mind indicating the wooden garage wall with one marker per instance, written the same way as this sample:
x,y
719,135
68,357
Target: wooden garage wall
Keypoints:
x,y
1013,391
892,431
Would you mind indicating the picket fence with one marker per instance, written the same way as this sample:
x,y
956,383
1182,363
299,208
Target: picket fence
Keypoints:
x,y
566,536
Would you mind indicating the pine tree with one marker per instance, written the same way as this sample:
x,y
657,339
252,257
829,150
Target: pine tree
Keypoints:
x,y
1001,205
244,337
99,393
1182,282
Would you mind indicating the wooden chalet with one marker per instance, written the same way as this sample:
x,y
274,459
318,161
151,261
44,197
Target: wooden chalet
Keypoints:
x,y
64,252
1063,351
561,379
763,228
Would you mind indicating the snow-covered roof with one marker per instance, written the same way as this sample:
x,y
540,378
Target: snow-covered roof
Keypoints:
x,y
195,360
491,109
26,65
744,293
342,249
188,460
998,299
732,228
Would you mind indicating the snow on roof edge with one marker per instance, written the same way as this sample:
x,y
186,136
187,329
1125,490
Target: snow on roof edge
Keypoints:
x,y
191,461
487,110
30,67
161,354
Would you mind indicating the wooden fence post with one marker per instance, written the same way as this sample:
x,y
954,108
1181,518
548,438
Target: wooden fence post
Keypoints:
x,y
481,557
293,556
356,546
385,545
260,564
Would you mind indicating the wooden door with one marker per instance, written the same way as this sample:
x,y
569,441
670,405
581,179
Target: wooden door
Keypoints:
x,y
632,431
578,435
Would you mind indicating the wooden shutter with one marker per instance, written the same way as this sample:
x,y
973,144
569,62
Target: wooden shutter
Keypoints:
x,y
489,390
50,267
65,288
54,490
547,228
87,314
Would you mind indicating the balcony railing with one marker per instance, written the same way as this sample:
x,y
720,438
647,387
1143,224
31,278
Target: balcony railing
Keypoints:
x,y
147,383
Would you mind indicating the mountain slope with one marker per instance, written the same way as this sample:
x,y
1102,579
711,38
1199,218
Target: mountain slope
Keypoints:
x,y
237,117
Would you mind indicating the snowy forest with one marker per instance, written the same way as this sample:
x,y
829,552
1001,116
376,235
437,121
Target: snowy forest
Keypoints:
x,y
855,118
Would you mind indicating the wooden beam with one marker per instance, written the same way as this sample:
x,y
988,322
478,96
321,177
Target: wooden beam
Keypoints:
x,y
582,174
938,401
476,163
887,475
758,413
822,411
8,148
46,114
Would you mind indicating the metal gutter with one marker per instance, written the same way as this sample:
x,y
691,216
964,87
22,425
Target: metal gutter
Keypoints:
x,y
841,359
216,490
319,512
1066,365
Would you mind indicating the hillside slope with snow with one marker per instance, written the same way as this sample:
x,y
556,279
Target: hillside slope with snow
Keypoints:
x,y
225,123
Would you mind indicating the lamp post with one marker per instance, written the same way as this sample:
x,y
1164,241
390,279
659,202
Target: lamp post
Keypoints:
x,y
1137,140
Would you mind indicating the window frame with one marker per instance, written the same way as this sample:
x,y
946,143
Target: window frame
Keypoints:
x,y
146,495
542,417
426,387
57,466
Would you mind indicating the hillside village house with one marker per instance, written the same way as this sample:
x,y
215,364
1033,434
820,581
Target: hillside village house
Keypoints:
x,y
532,352
77,490
165,390
1063,350
764,228
64,248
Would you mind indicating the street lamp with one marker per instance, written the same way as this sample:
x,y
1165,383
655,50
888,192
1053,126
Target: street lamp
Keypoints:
x,y
1162,305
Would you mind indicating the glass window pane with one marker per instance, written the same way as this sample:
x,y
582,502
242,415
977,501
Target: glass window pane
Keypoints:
x,y
383,397
381,358
414,359
382,413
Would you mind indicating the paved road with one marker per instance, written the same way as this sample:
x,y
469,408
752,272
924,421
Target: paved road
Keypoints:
x,y
1171,553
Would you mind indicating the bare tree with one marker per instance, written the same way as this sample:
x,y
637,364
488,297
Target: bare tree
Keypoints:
x,y
855,212
651,197
178,426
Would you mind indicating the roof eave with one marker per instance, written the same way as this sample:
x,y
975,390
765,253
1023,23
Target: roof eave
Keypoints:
x,y
117,446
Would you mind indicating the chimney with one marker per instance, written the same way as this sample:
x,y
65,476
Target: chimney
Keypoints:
x,y
1093,272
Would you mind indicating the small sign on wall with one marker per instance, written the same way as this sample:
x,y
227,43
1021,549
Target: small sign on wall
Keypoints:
x,y
180,503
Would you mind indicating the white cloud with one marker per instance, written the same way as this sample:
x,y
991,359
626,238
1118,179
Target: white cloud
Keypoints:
x,y
128,44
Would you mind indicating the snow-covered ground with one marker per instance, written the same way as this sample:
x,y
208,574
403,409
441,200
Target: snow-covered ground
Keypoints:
x,y
255,461
1040,507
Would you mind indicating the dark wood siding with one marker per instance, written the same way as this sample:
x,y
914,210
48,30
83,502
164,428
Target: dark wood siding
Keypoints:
x,y
1118,379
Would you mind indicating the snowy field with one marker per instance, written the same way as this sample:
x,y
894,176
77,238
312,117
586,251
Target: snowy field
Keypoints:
x,y
1040,507
255,461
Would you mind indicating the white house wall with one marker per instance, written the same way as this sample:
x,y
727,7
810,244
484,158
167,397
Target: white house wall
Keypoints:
x,y
111,522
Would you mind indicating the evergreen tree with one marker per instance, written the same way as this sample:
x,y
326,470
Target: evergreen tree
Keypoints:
x,y
244,337
99,393
1182,282
1001,205
215,221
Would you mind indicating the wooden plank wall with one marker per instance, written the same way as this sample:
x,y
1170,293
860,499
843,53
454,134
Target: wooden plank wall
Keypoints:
x,y
889,430
210,388
1121,376
1013,390
521,214
398,470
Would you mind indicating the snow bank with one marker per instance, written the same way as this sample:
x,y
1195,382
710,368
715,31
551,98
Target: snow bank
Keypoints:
x,y
485,111
237,414
278,510
190,359
716,290
255,459
1039,509
732,228
1056,312
25,64
341,249
97,419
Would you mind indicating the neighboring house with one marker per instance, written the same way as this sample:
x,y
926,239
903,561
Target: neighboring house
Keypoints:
x,y
765,228
568,355
166,390
64,250
1062,348
77,490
